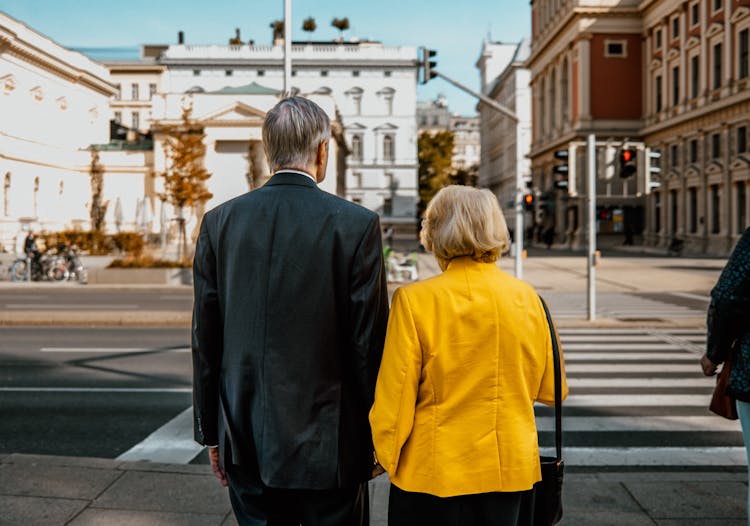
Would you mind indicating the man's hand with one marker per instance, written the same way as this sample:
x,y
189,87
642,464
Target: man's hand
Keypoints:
x,y
709,367
213,455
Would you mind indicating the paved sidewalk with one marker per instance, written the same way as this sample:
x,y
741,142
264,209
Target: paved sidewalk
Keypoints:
x,y
47,490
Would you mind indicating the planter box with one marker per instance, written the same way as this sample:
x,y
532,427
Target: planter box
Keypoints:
x,y
141,276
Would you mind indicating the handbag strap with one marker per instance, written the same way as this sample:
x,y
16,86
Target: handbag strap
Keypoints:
x,y
558,382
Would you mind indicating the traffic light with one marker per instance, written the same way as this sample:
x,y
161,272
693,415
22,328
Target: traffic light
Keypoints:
x,y
653,170
562,169
528,202
628,159
428,65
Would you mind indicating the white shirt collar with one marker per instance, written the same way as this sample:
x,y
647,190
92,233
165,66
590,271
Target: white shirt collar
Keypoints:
x,y
297,172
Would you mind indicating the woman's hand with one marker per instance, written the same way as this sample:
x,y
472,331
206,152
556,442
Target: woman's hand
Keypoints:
x,y
709,367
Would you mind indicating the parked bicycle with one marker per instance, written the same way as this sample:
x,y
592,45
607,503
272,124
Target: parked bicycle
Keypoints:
x,y
62,264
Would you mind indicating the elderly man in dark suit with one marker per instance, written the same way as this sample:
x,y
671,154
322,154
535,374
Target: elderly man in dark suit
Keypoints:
x,y
288,329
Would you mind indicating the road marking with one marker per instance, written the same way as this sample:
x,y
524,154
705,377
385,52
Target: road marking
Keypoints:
x,y
172,443
639,423
707,299
646,368
652,456
171,297
105,350
55,307
678,356
603,346
703,381
96,389
636,400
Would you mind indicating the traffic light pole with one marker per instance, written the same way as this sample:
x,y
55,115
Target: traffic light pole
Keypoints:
x,y
591,205
518,201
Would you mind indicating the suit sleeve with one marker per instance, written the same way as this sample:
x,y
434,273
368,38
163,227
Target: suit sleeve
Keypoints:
x,y
546,393
207,341
368,310
392,415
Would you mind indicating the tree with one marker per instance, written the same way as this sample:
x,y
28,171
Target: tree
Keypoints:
x,y
465,176
342,24
278,29
309,25
98,208
185,176
435,153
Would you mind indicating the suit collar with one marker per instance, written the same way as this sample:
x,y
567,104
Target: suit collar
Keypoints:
x,y
281,178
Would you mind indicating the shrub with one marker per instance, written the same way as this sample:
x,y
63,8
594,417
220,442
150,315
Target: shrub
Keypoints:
x,y
147,262
130,243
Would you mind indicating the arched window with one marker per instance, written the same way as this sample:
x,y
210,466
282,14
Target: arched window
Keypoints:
x,y
388,153
356,147
6,195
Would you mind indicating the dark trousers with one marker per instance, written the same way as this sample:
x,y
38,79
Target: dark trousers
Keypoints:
x,y
254,504
406,508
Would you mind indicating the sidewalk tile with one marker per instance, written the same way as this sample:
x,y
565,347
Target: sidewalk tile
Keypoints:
x,y
157,467
101,517
51,460
38,511
590,495
170,492
691,500
701,522
38,480
582,517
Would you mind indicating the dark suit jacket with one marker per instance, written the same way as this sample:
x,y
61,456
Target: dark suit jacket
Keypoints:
x,y
288,329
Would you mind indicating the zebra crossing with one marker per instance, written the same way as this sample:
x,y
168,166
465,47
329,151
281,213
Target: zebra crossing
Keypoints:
x,y
638,398
572,305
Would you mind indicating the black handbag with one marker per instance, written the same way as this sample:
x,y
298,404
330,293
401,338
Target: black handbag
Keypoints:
x,y
547,492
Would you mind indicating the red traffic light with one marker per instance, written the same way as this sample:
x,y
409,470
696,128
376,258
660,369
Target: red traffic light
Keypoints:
x,y
627,156
528,199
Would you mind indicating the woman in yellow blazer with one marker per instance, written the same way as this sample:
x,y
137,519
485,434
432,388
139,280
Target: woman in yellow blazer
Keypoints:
x,y
467,354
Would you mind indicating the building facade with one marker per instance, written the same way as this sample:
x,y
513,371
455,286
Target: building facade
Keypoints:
x,y
435,116
504,143
665,75
54,104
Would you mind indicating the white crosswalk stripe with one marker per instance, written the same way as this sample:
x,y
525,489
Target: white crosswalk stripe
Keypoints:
x,y
619,305
638,398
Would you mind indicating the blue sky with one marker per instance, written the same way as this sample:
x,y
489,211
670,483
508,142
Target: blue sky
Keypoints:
x,y
454,28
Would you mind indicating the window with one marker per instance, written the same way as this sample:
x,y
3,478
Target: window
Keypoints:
x,y
564,92
614,48
261,72
717,66
657,211
387,206
742,139
740,224
151,91
356,96
718,4
673,203
228,72
118,117
356,147
357,200
694,75
658,93
355,73
715,146
675,85
196,72
135,120
118,95
357,179
387,94
694,151
715,209
387,73
674,155
693,199
694,15
743,69
324,73
388,153
657,38
676,28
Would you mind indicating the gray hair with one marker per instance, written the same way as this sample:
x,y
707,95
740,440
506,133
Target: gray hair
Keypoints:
x,y
292,131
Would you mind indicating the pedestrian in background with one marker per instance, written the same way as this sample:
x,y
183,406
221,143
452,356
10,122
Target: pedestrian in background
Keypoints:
x,y
288,328
467,354
728,331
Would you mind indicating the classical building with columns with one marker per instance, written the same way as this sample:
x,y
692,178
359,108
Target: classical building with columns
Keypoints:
x,y
668,75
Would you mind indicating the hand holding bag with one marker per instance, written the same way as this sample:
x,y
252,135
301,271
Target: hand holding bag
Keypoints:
x,y
721,403
548,491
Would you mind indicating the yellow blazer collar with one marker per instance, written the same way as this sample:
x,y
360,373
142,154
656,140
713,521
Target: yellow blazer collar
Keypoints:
x,y
463,262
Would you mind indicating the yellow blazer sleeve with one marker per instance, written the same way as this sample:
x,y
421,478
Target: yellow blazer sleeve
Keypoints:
x,y
546,393
392,414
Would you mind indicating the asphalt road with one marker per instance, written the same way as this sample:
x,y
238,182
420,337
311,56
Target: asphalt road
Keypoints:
x,y
48,297
89,392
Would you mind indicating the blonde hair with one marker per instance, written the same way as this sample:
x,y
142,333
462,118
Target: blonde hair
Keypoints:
x,y
464,221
